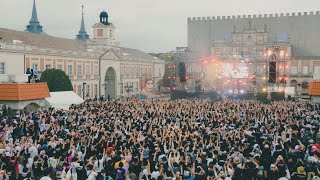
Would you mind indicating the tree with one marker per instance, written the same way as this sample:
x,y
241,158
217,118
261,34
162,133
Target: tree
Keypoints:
x,y
57,80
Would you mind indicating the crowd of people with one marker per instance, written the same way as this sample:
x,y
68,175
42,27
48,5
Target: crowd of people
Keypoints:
x,y
163,139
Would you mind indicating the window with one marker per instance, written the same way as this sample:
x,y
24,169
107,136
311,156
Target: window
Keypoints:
x,y
121,88
79,90
137,86
69,71
95,90
2,68
239,38
132,70
149,70
79,72
305,69
48,66
96,70
122,69
294,69
87,90
35,66
59,66
127,70
316,70
137,70
88,69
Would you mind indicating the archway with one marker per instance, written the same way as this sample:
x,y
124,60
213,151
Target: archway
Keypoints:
x,y
32,107
110,83
293,83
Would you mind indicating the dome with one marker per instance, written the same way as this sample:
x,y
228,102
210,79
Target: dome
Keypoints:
x,y
103,14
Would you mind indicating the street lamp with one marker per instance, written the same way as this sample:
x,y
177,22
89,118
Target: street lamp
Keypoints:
x,y
83,89
128,88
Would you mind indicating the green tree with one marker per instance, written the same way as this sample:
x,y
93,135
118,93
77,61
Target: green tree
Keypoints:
x,y
57,80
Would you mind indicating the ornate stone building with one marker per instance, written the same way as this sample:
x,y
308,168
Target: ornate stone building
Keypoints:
x,y
253,40
97,66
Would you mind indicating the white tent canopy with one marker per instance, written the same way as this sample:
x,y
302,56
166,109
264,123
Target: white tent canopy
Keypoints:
x,y
63,99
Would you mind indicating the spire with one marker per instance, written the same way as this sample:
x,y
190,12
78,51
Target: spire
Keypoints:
x,y
34,17
82,36
34,24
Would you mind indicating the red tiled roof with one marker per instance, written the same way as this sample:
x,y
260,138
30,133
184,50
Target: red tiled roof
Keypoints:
x,y
42,40
23,91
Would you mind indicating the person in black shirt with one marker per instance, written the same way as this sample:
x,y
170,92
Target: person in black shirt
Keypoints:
x,y
300,174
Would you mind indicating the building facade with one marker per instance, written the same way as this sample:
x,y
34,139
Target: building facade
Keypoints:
x,y
290,40
96,67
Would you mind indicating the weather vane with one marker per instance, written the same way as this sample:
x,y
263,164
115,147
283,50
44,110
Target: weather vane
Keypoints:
x,y
82,9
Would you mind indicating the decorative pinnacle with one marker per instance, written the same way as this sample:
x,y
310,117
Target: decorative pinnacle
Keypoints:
x,y
82,9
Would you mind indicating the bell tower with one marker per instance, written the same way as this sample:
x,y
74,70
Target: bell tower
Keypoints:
x,y
103,33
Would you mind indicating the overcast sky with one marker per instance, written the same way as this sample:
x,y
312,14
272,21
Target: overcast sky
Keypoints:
x,y
148,25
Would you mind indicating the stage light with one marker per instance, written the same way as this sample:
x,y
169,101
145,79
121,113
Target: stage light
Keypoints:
x,y
264,78
264,89
230,91
241,91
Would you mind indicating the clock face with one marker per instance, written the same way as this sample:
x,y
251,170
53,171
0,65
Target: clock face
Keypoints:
x,y
111,33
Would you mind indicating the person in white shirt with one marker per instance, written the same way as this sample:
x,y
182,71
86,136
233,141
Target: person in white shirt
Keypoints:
x,y
99,163
92,174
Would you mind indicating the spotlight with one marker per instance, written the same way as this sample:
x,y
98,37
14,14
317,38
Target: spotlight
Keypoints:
x,y
264,89
230,91
241,91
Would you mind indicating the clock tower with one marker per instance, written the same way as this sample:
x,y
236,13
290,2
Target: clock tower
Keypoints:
x,y
103,34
